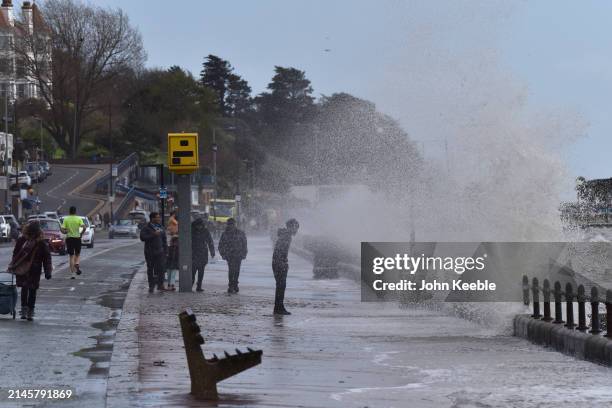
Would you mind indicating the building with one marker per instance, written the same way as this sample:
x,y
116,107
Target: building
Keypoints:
x,y
13,72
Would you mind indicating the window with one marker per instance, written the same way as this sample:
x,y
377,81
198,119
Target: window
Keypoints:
x,y
21,91
6,66
5,42
21,69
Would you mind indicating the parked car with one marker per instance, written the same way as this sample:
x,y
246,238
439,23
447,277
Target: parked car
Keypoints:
x,y
34,172
53,235
87,238
14,223
124,228
23,179
51,214
5,229
34,217
46,167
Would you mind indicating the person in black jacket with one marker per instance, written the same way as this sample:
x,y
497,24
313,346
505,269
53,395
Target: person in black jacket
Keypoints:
x,y
201,243
280,264
31,246
155,251
233,248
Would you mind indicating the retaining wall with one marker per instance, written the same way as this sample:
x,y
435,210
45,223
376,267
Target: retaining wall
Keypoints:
x,y
585,346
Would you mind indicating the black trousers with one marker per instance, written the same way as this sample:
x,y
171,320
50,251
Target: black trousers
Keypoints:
x,y
156,267
197,267
28,298
280,275
233,271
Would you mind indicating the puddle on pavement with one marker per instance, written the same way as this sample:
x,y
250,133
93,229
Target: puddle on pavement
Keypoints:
x,y
100,355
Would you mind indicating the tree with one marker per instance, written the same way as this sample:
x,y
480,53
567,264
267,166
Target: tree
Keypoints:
x,y
238,100
284,109
215,75
233,94
160,102
87,47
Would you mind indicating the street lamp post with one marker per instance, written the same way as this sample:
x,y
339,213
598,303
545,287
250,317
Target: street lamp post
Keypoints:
x,y
6,151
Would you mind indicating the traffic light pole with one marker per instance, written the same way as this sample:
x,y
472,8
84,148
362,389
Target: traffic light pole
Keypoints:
x,y
184,220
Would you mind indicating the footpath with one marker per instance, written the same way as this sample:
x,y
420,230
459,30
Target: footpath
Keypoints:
x,y
334,351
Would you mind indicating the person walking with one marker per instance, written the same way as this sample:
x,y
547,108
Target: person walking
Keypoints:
x,y
32,252
280,264
201,244
74,228
97,220
172,264
155,251
106,220
233,248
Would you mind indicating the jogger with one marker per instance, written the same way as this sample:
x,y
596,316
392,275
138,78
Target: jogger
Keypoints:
x,y
74,227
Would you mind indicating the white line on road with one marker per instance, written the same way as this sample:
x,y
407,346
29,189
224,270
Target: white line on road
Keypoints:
x,y
61,185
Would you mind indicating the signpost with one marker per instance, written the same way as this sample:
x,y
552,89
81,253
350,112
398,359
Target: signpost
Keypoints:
x,y
183,160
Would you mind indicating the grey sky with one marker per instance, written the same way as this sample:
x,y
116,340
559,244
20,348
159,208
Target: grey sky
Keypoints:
x,y
426,63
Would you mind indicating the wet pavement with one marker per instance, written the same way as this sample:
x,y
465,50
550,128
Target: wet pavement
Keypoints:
x,y
335,351
70,343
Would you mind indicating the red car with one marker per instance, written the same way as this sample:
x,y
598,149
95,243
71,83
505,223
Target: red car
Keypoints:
x,y
53,235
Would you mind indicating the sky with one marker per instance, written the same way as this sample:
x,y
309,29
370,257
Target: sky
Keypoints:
x,y
429,64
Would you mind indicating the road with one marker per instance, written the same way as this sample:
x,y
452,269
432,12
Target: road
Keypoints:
x,y
70,342
57,192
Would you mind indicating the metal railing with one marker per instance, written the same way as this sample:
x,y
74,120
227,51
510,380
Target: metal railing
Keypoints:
x,y
570,296
125,164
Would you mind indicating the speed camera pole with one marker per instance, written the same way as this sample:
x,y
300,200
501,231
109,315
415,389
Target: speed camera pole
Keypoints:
x,y
183,161
184,221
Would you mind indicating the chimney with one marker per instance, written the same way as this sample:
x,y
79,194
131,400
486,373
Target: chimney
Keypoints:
x,y
28,16
7,12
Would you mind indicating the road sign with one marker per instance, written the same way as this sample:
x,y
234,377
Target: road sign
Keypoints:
x,y
111,199
115,171
238,198
183,153
163,193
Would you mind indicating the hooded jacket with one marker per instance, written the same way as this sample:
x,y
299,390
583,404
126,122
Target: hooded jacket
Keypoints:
x,y
281,248
233,244
201,242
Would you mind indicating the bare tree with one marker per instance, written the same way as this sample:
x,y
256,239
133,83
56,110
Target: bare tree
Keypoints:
x,y
74,52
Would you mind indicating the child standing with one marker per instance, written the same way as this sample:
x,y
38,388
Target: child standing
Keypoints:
x,y
173,262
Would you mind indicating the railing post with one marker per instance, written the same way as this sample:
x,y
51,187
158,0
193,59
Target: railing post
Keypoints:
x,y
546,295
536,299
581,298
558,306
569,306
595,327
525,290
609,313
